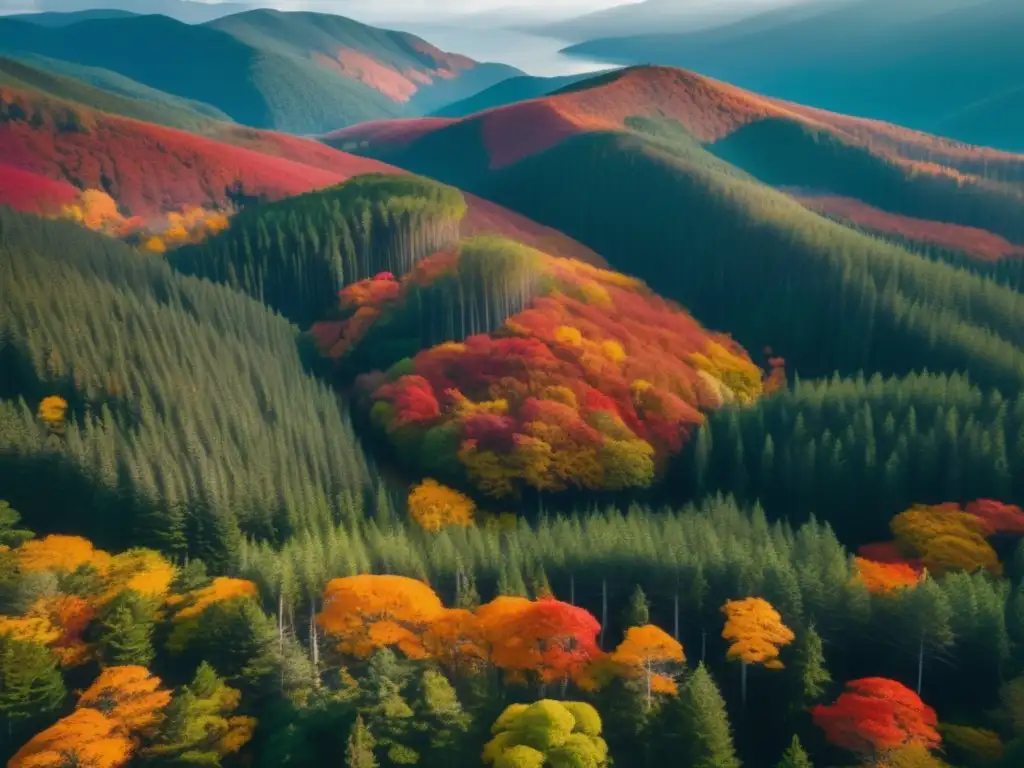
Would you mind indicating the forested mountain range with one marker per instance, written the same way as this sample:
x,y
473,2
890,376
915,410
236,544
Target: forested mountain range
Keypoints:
x,y
952,67
299,72
650,422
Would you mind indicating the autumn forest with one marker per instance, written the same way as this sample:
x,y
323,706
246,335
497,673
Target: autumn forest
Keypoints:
x,y
646,423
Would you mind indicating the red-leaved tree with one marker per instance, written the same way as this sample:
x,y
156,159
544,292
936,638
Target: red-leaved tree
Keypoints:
x,y
875,715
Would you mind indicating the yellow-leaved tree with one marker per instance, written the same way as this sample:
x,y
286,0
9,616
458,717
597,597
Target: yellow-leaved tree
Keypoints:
x,y
52,412
756,632
434,506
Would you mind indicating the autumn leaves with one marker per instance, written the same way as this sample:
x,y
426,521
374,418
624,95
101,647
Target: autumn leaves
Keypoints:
x,y
583,380
536,642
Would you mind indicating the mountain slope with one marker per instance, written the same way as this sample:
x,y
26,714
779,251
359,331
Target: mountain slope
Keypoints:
x,y
303,73
196,392
953,67
174,113
51,148
508,91
627,164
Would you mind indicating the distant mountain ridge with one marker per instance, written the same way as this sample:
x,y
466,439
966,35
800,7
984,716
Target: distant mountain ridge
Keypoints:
x,y
186,11
954,67
297,72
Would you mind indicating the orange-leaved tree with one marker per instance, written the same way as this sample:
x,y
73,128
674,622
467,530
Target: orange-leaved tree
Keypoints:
x,y
885,578
757,633
60,554
545,638
86,737
456,640
434,506
367,612
653,653
131,696
875,715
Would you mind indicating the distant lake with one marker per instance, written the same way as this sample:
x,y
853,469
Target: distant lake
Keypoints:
x,y
533,54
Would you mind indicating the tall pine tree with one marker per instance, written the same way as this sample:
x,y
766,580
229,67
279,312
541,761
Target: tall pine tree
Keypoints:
x,y
693,730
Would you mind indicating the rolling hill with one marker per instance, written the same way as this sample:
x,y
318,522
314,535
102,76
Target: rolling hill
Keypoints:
x,y
52,148
952,67
298,72
144,104
670,176
569,348
56,12
508,91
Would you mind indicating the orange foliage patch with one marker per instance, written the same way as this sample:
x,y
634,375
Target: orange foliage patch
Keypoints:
x,y
85,737
883,578
969,240
362,67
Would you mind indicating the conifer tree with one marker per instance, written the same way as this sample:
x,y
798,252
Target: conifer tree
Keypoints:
x,y
795,756
125,630
693,728
810,666
31,685
359,752
637,612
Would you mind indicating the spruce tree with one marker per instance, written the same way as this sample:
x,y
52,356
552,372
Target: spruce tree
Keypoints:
x,y
125,630
359,752
810,666
795,756
31,685
637,612
693,729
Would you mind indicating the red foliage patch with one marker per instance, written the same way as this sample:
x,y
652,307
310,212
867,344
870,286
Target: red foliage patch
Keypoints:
x,y
34,193
593,385
997,517
151,169
877,714
969,240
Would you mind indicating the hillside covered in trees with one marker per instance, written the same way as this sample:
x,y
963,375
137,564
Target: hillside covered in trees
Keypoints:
x,y
306,460
296,72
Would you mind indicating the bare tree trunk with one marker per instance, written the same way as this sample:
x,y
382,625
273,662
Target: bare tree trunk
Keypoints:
x,y
675,617
604,610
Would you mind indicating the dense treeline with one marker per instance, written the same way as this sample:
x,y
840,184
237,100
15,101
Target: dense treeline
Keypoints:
x,y
688,563
190,420
1008,271
856,451
743,257
295,255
